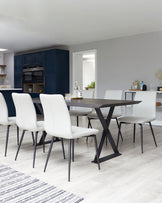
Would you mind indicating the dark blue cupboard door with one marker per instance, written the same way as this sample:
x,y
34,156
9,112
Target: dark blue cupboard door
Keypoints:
x,y
33,59
28,60
39,59
18,66
50,72
62,71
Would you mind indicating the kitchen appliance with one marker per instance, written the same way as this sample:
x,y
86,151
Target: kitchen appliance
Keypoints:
x,y
33,79
33,75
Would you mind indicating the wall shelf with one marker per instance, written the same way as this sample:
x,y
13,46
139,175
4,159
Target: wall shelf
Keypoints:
x,y
2,70
3,66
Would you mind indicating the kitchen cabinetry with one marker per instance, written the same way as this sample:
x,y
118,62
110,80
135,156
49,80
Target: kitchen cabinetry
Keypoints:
x,y
33,59
56,69
18,67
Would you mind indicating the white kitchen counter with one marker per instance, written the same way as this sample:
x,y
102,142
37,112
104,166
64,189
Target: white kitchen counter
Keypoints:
x,y
9,88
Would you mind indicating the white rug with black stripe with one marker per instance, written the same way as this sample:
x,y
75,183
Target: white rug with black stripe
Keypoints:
x,y
17,187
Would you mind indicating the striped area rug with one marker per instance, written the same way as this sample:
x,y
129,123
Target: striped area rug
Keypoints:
x,y
16,187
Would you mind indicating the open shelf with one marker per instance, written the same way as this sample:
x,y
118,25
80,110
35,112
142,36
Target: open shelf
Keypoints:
x,y
34,87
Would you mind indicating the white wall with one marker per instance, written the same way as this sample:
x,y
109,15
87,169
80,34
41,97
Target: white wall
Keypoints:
x,y
123,60
77,73
9,70
1,59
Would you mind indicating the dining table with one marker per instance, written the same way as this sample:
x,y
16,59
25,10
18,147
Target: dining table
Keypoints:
x,y
98,104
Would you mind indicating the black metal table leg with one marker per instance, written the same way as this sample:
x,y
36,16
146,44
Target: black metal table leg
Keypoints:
x,y
125,95
106,133
43,137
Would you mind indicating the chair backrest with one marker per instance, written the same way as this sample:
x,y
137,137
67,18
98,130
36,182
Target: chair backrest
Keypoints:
x,y
89,94
147,108
57,120
116,95
3,110
25,111
113,94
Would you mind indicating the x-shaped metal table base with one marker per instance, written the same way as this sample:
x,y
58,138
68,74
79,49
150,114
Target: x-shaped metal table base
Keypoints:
x,y
106,132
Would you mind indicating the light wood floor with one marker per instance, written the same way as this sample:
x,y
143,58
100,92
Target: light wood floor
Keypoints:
x,y
131,177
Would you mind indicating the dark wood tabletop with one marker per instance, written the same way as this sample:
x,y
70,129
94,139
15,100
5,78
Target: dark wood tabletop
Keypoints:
x,y
95,103
99,103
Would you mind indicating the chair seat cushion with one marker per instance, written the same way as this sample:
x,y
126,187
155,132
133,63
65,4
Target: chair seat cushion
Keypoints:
x,y
134,119
39,127
78,132
93,115
79,113
11,121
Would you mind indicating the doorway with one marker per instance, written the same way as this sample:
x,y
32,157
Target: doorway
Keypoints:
x,y
84,69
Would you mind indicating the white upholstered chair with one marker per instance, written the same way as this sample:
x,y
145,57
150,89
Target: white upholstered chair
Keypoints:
x,y
6,121
144,112
26,118
57,123
109,94
81,111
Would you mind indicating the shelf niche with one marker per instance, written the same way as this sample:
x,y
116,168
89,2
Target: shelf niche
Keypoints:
x,y
2,73
34,87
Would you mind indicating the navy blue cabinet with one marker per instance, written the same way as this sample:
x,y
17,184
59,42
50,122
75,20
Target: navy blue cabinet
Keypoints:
x,y
56,69
33,59
18,67
8,97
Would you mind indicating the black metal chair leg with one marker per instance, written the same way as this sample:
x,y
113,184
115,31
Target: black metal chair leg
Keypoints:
x,y
35,147
43,140
134,133
153,134
118,135
87,140
17,135
33,137
73,150
119,129
141,138
63,150
49,152
7,135
77,120
98,162
22,136
89,125
88,122
69,162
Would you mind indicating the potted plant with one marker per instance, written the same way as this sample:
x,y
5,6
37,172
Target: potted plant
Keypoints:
x,y
92,85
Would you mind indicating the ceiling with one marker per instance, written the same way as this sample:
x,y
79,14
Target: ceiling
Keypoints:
x,y
35,24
